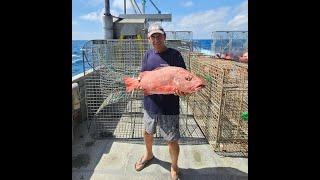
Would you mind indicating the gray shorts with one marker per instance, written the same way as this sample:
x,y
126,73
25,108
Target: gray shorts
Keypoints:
x,y
169,125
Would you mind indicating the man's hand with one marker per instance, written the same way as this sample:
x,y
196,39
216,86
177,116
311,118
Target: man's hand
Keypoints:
x,y
139,87
180,93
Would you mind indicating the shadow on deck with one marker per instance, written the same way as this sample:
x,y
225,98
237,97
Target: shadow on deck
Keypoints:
x,y
114,158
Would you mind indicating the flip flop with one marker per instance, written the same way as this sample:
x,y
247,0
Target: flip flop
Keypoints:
x,y
144,164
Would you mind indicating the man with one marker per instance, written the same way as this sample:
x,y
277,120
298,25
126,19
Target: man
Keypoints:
x,y
161,109
244,57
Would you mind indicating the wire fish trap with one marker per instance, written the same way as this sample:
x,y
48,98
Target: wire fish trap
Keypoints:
x,y
111,111
115,98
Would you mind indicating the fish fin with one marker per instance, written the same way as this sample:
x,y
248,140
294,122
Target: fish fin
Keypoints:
x,y
130,83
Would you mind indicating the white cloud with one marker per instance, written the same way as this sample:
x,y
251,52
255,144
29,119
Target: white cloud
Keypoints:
x,y
115,12
203,19
188,4
240,20
95,16
242,8
92,16
202,24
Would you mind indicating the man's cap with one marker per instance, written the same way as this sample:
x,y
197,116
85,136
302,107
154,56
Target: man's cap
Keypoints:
x,y
155,28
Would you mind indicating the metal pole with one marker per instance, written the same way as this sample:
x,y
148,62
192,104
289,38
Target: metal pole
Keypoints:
x,y
159,12
143,6
134,8
108,23
107,7
137,6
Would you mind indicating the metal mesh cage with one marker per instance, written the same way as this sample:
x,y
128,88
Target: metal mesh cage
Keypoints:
x,y
113,112
233,134
232,42
179,35
217,108
212,114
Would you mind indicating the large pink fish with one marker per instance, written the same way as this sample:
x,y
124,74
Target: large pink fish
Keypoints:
x,y
165,80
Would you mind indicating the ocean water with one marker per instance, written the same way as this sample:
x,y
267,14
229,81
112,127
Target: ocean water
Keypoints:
x,y
77,64
200,45
203,46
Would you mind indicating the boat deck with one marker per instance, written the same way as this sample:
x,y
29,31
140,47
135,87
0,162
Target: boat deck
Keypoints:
x,y
114,158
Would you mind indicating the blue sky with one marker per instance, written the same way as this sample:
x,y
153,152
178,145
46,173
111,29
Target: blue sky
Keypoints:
x,y
199,16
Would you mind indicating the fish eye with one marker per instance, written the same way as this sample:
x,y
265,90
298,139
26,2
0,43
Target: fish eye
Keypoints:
x,y
188,78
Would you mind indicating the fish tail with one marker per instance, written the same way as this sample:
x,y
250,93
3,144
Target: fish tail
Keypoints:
x,y
130,83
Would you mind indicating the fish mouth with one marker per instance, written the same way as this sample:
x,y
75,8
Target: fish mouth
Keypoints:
x,y
200,87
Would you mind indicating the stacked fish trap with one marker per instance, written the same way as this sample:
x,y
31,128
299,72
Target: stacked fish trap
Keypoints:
x,y
235,42
220,109
179,35
110,110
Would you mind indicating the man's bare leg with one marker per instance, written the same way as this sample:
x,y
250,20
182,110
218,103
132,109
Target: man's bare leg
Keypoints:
x,y
174,150
148,139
